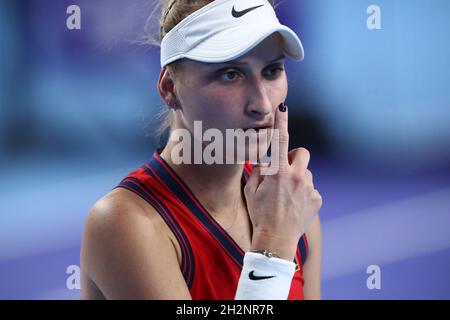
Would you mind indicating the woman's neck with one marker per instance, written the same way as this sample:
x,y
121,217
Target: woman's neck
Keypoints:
x,y
217,186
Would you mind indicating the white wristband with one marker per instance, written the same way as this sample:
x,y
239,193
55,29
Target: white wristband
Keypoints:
x,y
264,278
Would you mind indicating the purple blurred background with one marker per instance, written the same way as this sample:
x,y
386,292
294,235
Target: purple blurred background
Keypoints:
x,y
373,106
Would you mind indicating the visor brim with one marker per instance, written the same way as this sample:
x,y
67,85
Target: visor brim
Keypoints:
x,y
234,42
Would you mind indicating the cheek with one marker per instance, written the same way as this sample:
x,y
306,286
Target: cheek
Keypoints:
x,y
221,101
278,90
214,110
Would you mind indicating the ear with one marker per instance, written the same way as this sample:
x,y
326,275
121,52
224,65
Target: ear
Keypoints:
x,y
166,88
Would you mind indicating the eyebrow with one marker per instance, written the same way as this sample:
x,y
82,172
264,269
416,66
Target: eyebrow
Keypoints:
x,y
237,62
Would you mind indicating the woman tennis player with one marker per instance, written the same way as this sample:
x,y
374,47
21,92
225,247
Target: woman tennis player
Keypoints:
x,y
198,230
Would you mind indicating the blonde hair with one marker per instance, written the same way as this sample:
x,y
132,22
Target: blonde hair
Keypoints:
x,y
169,13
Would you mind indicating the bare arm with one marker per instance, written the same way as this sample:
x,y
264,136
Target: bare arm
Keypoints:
x,y
312,267
126,256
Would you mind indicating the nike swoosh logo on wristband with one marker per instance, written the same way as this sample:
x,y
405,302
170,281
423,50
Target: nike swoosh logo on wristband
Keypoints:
x,y
252,276
238,14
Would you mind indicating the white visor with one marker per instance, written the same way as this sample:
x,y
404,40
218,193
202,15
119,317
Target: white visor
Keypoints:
x,y
224,30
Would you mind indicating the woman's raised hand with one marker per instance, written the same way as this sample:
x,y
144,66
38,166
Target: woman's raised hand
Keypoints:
x,y
282,206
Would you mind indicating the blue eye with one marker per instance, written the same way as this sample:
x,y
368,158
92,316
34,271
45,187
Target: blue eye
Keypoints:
x,y
274,70
229,75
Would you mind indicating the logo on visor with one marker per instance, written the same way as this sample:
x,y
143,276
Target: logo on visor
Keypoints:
x,y
238,14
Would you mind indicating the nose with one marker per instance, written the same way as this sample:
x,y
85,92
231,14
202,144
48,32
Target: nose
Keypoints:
x,y
259,104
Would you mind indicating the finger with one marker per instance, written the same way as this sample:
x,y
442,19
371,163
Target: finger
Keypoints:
x,y
299,159
317,199
254,180
309,177
281,125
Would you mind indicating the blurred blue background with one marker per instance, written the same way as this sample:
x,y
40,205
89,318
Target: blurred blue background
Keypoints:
x,y
77,109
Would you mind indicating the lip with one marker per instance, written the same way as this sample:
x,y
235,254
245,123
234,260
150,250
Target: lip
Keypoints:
x,y
257,128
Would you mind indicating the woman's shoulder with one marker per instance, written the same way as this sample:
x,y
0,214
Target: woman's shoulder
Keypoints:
x,y
120,219
120,203
120,242
120,210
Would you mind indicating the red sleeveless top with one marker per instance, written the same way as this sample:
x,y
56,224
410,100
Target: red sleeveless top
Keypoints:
x,y
211,260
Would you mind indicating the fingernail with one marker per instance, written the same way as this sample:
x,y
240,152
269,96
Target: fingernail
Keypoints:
x,y
282,107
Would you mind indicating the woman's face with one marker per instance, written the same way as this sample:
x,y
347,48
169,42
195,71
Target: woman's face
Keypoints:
x,y
240,94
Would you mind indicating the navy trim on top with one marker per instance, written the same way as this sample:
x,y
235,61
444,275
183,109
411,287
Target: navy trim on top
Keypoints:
x,y
184,193
187,263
